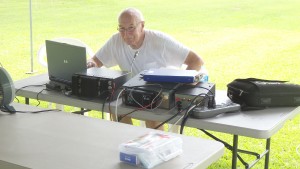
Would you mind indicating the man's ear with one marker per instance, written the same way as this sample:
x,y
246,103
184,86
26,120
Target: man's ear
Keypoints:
x,y
143,24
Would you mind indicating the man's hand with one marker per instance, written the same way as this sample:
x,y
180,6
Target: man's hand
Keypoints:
x,y
90,64
94,62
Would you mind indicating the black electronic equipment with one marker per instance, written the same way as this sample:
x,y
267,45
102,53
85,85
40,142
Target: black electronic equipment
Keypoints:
x,y
200,94
141,97
98,82
140,88
161,97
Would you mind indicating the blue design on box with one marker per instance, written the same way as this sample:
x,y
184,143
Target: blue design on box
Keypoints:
x,y
128,158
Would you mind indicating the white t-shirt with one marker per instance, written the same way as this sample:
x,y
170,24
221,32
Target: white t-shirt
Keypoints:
x,y
157,51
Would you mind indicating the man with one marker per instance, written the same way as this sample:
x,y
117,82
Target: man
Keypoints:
x,y
135,49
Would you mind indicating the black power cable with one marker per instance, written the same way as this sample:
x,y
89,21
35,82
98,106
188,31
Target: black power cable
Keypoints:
x,y
191,106
3,109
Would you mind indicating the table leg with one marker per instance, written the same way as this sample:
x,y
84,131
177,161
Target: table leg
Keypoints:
x,y
268,145
234,151
26,100
82,110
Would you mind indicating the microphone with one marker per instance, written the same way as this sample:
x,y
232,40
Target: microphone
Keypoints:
x,y
134,56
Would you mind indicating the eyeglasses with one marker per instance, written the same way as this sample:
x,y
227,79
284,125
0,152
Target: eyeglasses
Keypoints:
x,y
130,29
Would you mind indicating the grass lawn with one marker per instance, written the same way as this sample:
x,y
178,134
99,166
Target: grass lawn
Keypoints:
x,y
237,39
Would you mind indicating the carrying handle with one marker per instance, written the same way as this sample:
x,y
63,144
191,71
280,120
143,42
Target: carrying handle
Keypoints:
x,y
261,80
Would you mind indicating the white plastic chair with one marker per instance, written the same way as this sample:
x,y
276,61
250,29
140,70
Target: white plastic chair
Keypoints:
x,y
41,54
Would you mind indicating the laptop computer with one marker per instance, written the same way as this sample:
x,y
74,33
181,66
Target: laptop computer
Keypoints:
x,y
64,60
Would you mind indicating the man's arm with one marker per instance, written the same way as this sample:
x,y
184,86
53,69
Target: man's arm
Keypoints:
x,y
193,61
94,62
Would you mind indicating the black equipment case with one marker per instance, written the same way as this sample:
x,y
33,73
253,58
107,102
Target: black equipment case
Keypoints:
x,y
254,93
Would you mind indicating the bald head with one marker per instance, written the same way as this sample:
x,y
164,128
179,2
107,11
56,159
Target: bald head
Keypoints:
x,y
131,13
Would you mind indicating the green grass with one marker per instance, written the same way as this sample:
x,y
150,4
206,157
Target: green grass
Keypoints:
x,y
237,39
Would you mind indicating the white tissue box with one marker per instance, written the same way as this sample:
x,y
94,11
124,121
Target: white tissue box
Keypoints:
x,y
150,149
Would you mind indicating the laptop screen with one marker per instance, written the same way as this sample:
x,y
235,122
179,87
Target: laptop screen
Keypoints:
x,y
64,60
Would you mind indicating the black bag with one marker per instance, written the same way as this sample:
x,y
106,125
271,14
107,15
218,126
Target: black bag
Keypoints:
x,y
254,93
